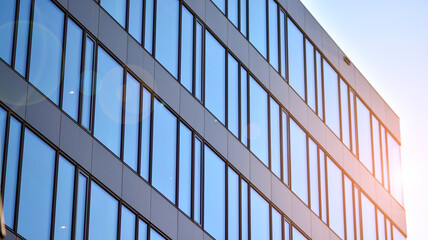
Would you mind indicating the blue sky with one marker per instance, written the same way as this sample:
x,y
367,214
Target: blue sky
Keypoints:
x,y
387,40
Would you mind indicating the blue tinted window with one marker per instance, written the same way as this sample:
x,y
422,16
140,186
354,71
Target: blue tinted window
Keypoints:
x,y
357,212
145,134
244,100
259,121
376,149
215,77
320,101
323,190
167,34
155,235
368,214
313,176
73,55
345,113
197,181
353,125
127,225
186,72
299,166
364,136
331,97
244,210
259,217
46,50
394,158
349,211
132,120
310,75
384,158
221,4
116,8
3,116
335,198
22,36
81,207
64,199
232,11
7,23
148,26
297,235
286,230
282,42
87,83
296,68
11,177
233,95
275,138
233,204
185,170
257,25
142,230
273,34
164,150
276,225
136,19
243,17
37,178
108,102
102,214
397,234
380,225
214,195
198,61
284,138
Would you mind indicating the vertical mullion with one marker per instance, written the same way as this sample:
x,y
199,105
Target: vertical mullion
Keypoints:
x,y
63,52
30,37
350,120
340,108
320,200
154,28
316,80
4,157
357,144
82,70
240,207
287,62
226,196
18,181
122,129
54,195
94,88
177,162
281,144
143,25
119,219
180,29
267,31
140,128
193,92
192,178
202,185
152,112
87,208
74,210
15,33
372,144
269,133
226,108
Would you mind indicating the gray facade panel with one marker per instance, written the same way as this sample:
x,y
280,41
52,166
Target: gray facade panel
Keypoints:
x,y
260,176
237,43
279,88
216,21
185,227
136,192
15,94
259,66
198,6
238,155
281,195
191,110
86,12
113,36
167,87
164,215
215,133
140,62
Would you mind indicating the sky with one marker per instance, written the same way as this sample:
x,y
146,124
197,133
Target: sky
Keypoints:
x,y
387,40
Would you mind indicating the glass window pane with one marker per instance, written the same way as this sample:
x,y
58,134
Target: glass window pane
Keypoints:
x,y
127,224
244,210
394,158
132,120
81,207
117,9
259,217
299,167
197,181
331,96
384,158
64,199
310,75
349,209
214,195
233,95
145,134
397,234
297,235
185,168
323,185
215,77
345,113
148,26
364,136
244,100
273,34
357,212
102,214
313,176
22,36
7,23
282,42
87,90
73,56
368,215
335,198
155,235
353,131
136,19
388,229
233,204
3,117
376,149
164,150
37,178
108,102
243,17
259,121
296,67
11,177
167,34
198,61
232,11
142,230
286,230
221,4
380,225
186,72
320,93
276,225
275,138
46,50
285,162
257,25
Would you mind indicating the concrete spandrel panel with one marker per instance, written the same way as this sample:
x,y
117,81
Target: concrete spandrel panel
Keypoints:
x,y
237,43
377,105
216,21
367,182
297,12
64,3
164,215
86,12
238,155
167,87
319,230
281,196
10,235
198,6
334,146
215,133
313,29
351,165
192,111
330,49
13,92
301,214
393,123
136,192
260,176
259,66
279,88
347,71
383,199
362,88
113,36
317,128
398,216
185,227
140,62
298,109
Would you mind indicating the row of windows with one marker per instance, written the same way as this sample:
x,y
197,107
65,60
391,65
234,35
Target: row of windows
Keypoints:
x,y
46,196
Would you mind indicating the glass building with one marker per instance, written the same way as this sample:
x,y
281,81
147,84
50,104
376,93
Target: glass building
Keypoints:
x,y
190,119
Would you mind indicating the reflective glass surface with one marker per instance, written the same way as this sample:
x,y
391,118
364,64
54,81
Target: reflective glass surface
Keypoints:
x,y
276,225
127,224
273,34
397,235
132,121
394,158
384,158
87,83
296,59
232,11
299,166
142,230
297,235
368,214
243,17
346,139
364,136
259,217
108,102
285,161
186,73
7,23
313,176
320,92
185,170
335,198
214,195
164,150
148,25
257,25
197,182
331,97
286,230
46,49
22,36
166,51
37,178
64,199
102,214
3,117
135,21
275,138
221,4
233,204
215,77
117,9
73,57
244,210
310,75
244,100
155,235
376,149
349,211
145,134
388,229
323,186
380,225
81,207
233,95
259,121
353,124
282,41
198,61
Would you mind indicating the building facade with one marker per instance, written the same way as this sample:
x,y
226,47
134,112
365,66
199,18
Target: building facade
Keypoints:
x,y
189,119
